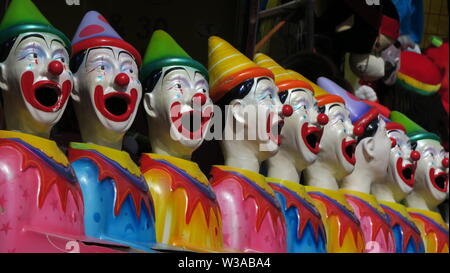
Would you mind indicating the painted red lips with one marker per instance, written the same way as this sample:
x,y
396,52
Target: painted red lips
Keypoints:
x,y
191,124
348,150
440,180
311,136
115,106
46,96
406,172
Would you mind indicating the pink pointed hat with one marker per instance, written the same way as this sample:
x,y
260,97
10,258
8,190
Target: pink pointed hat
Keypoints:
x,y
95,31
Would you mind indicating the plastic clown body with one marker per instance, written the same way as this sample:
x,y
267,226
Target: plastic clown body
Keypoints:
x,y
430,189
398,184
335,160
186,209
41,203
118,206
371,165
301,135
251,215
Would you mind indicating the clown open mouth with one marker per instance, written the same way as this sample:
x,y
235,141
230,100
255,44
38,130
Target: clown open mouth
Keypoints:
x,y
191,124
311,137
115,106
348,149
273,129
439,180
46,96
406,172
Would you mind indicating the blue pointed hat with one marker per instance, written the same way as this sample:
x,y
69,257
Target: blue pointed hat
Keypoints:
x,y
95,31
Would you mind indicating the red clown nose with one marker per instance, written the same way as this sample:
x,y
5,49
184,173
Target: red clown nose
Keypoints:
x,y
200,97
56,68
393,142
445,162
122,79
415,156
358,131
287,110
322,119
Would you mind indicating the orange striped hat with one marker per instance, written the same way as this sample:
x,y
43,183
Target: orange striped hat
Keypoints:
x,y
283,79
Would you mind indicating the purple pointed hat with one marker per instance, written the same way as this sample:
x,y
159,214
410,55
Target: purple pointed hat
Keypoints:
x,y
361,114
95,31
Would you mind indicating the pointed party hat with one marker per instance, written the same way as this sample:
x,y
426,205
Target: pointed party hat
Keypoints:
x,y
415,132
23,16
164,51
318,91
355,106
95,31
283,79
227,67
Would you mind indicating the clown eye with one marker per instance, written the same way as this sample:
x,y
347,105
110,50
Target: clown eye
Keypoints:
x,y
102,67
35,55
178,85
204,90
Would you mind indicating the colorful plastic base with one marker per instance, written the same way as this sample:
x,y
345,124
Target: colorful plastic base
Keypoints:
x,y
41,207
118,207
407,236
433,229
252,217
187,212
374,222
344,234
305,232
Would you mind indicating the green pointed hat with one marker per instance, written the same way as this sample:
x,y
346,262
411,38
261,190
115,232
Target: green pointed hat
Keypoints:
x,y
23,16
163,51
415,131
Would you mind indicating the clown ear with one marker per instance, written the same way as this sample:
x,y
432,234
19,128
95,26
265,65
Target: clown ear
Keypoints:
x,y
3,84
368,148
149,105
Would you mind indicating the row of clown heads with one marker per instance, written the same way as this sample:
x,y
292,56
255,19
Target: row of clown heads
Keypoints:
x,y
373,181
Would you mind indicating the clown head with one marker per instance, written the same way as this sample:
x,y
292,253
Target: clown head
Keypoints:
x,y
248,90
107,89
431,177
34,70
337,147
302,131
176,98
402,158
373,143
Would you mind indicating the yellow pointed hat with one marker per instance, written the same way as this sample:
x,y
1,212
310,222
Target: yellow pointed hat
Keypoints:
x,y
283,79
321,95
227,67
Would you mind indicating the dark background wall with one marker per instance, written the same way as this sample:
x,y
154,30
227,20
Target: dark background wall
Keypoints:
x,y
189,22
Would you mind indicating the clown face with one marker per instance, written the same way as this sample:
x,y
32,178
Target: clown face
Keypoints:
x,y
401,168
431,176
180,104
108,87
338,145
263,100
36,77
300,133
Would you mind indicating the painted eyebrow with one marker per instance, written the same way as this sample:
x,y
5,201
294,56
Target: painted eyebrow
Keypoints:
x,y
125,52
298,90
263,78
58,41
333,106
173,69
31,36
100,47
